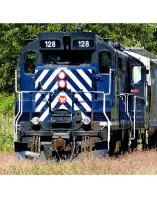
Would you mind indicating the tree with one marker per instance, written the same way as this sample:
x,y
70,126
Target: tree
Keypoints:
x,y
13,38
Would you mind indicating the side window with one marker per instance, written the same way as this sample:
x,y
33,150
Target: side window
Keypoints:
x,y
136,74
105,62
30,62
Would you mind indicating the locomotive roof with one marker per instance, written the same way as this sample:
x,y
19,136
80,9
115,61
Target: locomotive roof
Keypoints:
x,y
49,35
142,51
34,44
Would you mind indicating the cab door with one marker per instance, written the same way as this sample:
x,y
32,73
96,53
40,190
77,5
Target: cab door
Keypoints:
x,y
104,80
138,90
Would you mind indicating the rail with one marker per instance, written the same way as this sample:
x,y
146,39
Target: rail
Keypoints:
x,y
20,108
20,98
134,110
126,104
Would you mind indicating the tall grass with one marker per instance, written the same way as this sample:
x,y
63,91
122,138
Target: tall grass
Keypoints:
x,y
138,163
6,133
6,122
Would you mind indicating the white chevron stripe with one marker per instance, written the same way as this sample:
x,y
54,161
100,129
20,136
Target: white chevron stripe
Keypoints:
x,y
85,77
77,108
80,99
51,78
42,104
80,85
63,107
40,78
69,102
69,86
38,95
44,115
47,83
90,70
55,101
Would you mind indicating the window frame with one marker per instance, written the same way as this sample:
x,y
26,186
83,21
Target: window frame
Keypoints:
x,y
33,63
133,73
106,71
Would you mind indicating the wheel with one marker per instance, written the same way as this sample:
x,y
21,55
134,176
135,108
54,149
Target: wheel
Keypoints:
x,y
101,150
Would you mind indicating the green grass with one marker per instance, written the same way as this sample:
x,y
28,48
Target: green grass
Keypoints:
x,y
6,104
6,132
6,122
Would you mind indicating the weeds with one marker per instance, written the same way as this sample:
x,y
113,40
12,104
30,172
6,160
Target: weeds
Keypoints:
x,y
6,133
137,163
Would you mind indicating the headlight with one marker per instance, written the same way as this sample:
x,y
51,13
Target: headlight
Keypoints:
x,y
35,120
86,121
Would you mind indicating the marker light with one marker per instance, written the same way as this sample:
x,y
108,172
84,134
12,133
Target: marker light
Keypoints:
x,y
35,120
62,84
86,121
62,80
61,75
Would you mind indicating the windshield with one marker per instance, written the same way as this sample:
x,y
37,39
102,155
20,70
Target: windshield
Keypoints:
x,y
67,57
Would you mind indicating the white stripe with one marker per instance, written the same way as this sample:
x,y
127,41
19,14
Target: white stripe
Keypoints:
x,y
76,108
63,107
38,95
55,101
43,102
69,101
73,77
90,70
48,82
44,115
40,78
80,99
85,77
51,78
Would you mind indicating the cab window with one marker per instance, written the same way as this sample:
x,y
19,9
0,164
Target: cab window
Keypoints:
x,y
30,61
105,62
136,74
67,57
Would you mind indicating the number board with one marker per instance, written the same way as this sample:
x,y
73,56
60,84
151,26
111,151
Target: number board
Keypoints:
x,y
83,43
50,44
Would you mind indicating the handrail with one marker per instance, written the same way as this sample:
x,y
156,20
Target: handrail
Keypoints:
x,y
16,81
126,95
134,123
98,92
17,117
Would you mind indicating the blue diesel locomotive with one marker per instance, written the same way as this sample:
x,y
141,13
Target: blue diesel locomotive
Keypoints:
x,y
78,92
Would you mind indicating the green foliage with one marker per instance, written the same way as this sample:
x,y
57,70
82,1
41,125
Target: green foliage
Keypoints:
x,y
6,132
6,104
13,37
6,142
